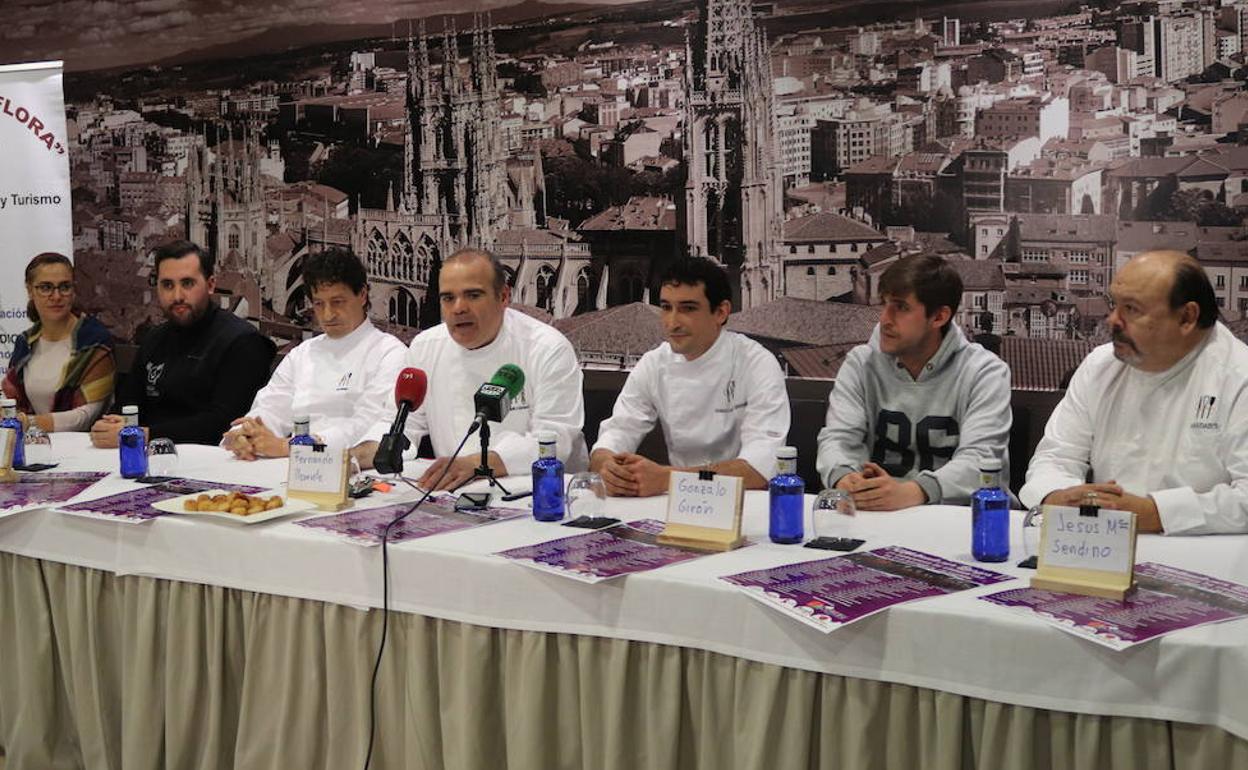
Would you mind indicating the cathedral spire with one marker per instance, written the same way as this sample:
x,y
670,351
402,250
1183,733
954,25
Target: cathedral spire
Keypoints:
x,y
732,201
450,56
411,50
489,56
491,52
422,54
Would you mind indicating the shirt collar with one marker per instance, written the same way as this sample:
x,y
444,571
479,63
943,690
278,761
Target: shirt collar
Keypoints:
x,y
352,339
713,353
1180,366
491,347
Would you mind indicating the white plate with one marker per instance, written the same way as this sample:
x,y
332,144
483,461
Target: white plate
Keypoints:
x,y
293,505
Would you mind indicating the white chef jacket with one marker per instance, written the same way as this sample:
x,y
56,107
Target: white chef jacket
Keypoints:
x,y
728,403
1180,436
343,385
550,400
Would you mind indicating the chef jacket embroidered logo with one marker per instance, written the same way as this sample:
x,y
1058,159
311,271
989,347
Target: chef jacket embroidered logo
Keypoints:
x,y
519,402
154,373
1205,411
730,399
345,382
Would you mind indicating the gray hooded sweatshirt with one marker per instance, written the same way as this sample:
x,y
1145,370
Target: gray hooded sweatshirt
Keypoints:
x,y
934,430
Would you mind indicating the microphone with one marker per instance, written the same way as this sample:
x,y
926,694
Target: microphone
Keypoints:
x,y
409,394
493,399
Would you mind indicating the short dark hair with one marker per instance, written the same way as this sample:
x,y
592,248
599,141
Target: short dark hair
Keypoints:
x,y
179,249
471,252
336,265
933,280
1191,284
691,271
43,260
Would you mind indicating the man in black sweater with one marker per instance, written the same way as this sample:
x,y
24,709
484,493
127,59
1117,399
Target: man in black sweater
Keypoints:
x,y
197,371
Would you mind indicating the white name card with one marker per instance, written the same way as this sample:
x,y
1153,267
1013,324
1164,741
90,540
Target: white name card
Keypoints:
x,y
8,437
316,469
699,502
1103,542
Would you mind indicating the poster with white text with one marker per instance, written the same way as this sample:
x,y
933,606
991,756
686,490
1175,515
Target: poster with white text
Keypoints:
x,y
35,208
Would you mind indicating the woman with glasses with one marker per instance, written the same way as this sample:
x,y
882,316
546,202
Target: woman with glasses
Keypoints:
x,y
61,370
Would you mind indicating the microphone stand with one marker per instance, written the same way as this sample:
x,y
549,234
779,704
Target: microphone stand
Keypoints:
x,y
484,471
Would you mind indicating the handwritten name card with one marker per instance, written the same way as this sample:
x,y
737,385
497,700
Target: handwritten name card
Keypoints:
x,y
1088,542
8,440
703,502
704,511
319,473
1091,554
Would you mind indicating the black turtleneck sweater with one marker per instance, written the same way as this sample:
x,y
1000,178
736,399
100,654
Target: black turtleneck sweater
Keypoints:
x,y
190,382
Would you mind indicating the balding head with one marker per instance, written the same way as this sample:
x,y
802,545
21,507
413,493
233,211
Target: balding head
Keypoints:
x,y
1163,307
1184,280
470,255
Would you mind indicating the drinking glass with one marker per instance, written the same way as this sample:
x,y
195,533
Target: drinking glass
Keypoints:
x,y
1031,531
38,445
162,457
586,496
834,514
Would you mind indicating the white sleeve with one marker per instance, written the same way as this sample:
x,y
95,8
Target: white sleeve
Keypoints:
x,y
557,404
843,439
634,414
767,416
80,418
274,402
1064,455
1224,508
374,401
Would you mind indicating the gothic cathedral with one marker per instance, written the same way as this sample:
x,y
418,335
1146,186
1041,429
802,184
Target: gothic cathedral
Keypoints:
x,y
456,187
733,209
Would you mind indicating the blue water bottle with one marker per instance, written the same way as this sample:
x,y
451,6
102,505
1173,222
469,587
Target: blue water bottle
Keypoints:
x,y
547,479
788,499
990,515
132,443
301,436
9,419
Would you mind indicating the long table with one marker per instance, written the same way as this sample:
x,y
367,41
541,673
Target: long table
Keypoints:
x,y
196,643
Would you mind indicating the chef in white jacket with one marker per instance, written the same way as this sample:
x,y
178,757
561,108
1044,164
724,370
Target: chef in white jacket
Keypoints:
x,y
719,396
1160,415
340,379
479,334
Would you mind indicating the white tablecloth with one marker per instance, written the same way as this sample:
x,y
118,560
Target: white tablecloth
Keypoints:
x,y
954,643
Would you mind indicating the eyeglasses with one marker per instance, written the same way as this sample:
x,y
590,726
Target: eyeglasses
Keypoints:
x,y
46,289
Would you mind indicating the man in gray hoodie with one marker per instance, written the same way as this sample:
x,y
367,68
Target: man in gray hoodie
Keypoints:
x,y
915,410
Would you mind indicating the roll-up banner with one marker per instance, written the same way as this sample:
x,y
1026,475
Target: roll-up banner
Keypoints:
x,y
35,208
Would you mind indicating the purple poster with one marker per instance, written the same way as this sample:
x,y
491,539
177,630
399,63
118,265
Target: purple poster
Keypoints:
x,y
829,593
36,490
135,506
435,516
592,557
1166,599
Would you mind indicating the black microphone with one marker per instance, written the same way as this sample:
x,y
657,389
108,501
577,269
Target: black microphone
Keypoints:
x,y
493,399
409,394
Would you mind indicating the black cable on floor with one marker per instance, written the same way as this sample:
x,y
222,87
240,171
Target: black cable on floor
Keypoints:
x,y
385,593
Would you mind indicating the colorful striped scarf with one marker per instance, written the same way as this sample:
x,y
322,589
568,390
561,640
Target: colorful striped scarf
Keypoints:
x,y
87,376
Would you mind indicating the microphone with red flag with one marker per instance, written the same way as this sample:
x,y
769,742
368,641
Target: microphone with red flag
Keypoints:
x,y
409,394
